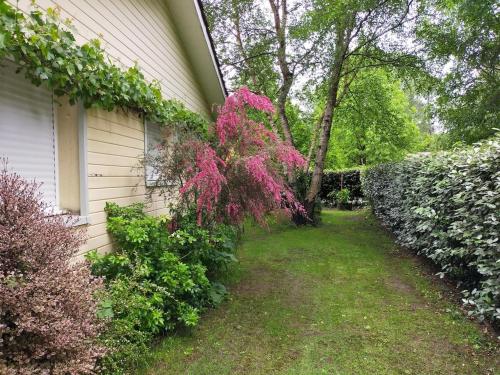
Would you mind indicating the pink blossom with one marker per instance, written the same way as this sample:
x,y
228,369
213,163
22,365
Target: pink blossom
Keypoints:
x,y
234,211
289,156
208,181
242,172
232,114
259,173
260,102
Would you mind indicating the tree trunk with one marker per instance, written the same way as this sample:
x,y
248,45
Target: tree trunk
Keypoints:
x,y
282,99
273,125
341,47
280,24
314,142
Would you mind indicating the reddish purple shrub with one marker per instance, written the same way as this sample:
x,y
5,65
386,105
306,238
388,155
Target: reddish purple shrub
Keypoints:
x,y
48,321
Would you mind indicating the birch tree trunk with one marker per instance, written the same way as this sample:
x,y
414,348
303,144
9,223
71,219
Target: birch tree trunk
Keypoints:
x,y
280,25
314,142
341,48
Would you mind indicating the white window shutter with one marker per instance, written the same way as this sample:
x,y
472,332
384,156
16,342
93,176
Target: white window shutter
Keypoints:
x,y
27,136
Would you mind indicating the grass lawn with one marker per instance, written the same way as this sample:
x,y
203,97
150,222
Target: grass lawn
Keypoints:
x,y
337,299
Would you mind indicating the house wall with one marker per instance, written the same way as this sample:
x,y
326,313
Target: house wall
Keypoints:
x,y
115,146
133,31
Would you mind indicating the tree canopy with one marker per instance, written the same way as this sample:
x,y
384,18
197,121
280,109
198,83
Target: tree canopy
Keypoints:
x,y
461,40
374,124
364,82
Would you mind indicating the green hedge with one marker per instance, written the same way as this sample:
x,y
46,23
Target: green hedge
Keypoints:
x,y
446,206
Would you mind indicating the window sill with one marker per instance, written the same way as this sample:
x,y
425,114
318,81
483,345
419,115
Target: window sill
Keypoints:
x,y
72,219
76,221
156,184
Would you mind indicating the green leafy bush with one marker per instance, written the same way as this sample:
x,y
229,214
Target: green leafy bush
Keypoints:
x,y
156,280
211,246
131,315
343,196
446,206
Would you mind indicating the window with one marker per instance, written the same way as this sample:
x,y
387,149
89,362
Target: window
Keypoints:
x,y
156,135
27,129
40,139
153,140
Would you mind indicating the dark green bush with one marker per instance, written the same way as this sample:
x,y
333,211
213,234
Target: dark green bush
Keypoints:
x,y
156,280
446,206
334,181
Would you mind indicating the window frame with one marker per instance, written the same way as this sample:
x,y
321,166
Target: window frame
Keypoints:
x,y
150,183
83,218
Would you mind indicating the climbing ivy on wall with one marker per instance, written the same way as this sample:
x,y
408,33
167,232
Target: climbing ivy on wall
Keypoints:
x,y
45,48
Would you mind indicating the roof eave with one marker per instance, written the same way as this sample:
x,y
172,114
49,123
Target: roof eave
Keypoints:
x,y
192,28
201,13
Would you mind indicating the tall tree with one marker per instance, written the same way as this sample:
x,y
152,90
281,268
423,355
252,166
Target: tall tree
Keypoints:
x,y
463,36
243,38
361,37
280,16
374,124
259,48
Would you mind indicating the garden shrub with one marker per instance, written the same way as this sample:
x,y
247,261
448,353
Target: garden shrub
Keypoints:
x,y
48,304
341,198
446,206
239,171
335,181
212,245
132,310
157,278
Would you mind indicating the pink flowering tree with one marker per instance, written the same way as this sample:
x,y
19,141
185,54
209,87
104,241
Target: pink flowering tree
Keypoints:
x,y
241,170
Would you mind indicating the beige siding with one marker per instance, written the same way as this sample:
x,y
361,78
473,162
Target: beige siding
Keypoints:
x,y
68,160
115,148
133,31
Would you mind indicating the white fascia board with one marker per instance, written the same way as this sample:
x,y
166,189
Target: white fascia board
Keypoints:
x,y
190,25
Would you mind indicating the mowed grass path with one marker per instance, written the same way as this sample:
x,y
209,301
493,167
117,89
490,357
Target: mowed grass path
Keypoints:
x,y
336,299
